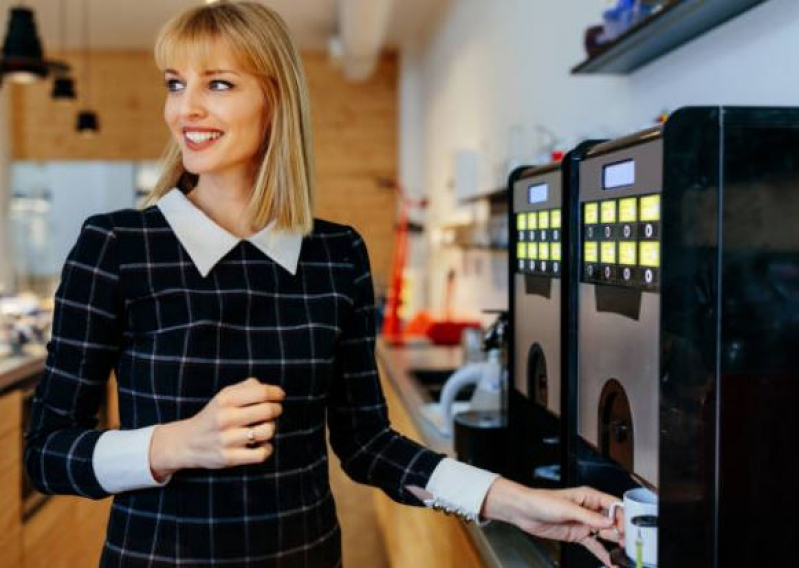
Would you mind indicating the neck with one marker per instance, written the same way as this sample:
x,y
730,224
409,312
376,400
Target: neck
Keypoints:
x,y
224,199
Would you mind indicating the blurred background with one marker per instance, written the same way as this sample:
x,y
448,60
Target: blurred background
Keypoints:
x,y
421,109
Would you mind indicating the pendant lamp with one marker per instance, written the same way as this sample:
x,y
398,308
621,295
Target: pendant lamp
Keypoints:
x,y
23,59
87,124
63,85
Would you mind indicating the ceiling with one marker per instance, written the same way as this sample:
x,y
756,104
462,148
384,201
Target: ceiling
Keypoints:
x,y
126,24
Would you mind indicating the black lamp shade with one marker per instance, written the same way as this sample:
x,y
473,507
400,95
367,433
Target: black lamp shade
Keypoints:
x,y
22,51
22,39
63,89
88,123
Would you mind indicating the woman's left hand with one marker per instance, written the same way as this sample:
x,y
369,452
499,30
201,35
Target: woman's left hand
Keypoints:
x,y
572,515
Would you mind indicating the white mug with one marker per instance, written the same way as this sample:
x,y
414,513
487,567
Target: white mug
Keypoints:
x,y
640,524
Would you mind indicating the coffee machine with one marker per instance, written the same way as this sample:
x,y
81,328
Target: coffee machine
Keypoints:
x,y
682,378
539,277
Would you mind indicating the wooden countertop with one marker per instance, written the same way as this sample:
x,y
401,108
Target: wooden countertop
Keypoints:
x,y
500,545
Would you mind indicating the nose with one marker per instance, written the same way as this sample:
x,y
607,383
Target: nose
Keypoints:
x,y
192,103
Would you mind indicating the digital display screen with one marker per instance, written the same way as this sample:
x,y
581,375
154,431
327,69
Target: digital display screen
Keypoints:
x,y
554,251
521,221
628,210
591,251
554,219
537,193
650,254
532,251
628,253
608,252
591,213
543,251
608,209
543,219
650,208
620,174
532,220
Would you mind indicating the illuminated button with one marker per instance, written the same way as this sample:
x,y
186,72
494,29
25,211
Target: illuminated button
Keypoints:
x,y
649,276
532,264
556,235
554,219
608,273
542,265
589,232
554,251
626,274
532,220
609,211
608,232
543,235
543,251
649,254
590,270
521,221
650,208
591,213
627,231
543,219
608,253
532,251
627,253
556,267
521,265
521,250
532,235
649,231
591,251
628,210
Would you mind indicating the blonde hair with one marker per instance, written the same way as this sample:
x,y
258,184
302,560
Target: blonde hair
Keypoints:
x,y
259,39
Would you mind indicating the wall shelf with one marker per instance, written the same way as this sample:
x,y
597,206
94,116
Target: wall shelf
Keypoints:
x,y
676,23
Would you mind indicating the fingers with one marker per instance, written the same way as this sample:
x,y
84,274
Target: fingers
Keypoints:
x,y
240,437
253,414
249,391
596,548
249,456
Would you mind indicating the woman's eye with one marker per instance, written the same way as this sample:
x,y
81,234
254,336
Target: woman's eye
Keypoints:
x,y
223,85
172,84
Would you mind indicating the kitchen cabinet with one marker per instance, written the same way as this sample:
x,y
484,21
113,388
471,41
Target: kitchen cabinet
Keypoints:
x,y
10,479
416,536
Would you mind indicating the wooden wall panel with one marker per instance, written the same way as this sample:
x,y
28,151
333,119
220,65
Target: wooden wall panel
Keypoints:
x,y
10,479
354,125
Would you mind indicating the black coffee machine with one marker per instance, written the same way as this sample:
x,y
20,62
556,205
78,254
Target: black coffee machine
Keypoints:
x,y
682,378
539,277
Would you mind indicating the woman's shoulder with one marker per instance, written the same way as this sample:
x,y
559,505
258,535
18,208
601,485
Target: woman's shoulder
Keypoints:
x,y
126,220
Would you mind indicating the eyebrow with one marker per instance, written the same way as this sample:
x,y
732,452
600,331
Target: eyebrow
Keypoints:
x,y
208,72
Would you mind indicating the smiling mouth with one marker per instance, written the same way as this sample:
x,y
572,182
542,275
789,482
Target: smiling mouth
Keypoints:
x,y
196,140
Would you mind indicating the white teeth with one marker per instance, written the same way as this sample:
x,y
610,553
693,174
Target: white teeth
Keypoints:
x,y
199,137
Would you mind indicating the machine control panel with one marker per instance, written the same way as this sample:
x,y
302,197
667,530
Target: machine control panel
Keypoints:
x,y
621,241
538,244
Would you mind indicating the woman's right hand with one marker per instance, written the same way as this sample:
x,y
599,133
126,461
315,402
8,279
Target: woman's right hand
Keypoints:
x,y
218,435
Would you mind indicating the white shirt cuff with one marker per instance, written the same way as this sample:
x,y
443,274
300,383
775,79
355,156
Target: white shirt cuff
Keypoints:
x,y
121,460
459,488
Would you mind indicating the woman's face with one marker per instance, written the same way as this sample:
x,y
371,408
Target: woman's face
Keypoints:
x,y
216,114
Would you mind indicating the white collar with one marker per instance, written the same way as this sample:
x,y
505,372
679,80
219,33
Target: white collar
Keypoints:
x,y
206,242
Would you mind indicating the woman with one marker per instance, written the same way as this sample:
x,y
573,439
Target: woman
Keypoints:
x,y
238,326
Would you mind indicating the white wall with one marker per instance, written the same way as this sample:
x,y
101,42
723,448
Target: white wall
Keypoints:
x,y
500,67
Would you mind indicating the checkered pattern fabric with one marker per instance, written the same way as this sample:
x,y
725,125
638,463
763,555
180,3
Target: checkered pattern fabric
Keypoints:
x,y
131,300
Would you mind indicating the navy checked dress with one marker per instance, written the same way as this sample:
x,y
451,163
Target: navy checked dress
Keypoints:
x,y
131,300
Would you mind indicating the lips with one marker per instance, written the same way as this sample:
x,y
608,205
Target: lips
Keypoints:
x,y
197,139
